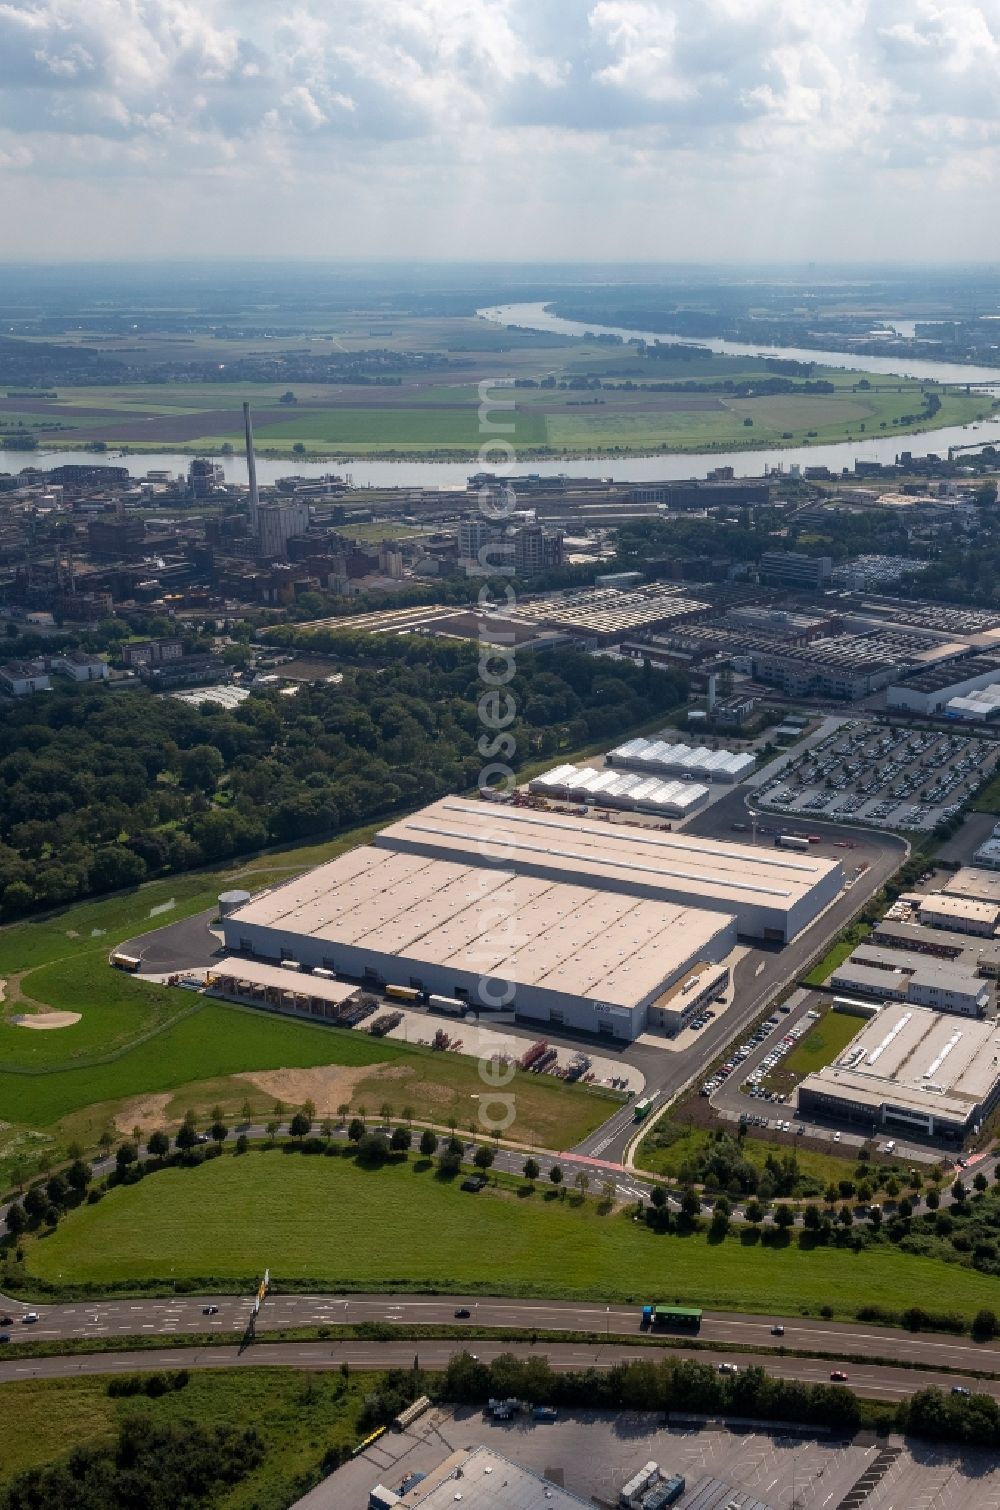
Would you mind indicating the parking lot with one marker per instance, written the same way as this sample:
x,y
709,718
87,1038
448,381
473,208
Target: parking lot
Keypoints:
x,y
593,1454
889,778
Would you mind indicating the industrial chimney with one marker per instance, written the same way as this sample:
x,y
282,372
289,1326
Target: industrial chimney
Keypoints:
x,y
251,470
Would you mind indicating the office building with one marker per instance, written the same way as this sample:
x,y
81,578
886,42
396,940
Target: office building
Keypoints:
x,y
794,569
910,1070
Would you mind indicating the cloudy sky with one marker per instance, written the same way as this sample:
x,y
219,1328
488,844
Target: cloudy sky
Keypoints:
x,y
500,129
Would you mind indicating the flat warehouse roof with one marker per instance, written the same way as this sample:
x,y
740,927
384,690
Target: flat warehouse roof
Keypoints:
x,y
588,851
961,907
975,883
916,1057
604,945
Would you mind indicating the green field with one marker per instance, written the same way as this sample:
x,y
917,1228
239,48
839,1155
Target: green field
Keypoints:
x,y
379,429
671,1160
822,1043
136,1039
325,1221
299,1417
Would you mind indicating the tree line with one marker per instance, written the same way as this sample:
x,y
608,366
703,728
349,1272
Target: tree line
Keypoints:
x,y
102,789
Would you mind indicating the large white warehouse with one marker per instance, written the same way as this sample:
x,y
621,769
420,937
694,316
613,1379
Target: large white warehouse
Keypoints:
x,y
772,893
578,956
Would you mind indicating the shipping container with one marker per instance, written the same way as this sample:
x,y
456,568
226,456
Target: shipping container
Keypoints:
x,y
449,1004
404,993
792,841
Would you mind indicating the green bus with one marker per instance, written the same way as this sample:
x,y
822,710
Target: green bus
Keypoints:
x,y
671,1316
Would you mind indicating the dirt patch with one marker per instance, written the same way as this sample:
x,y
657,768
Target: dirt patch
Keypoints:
x,y
328,1085
44,1021
147,1112
3,988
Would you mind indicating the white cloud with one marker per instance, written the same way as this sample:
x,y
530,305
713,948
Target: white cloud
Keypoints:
x,y
427,108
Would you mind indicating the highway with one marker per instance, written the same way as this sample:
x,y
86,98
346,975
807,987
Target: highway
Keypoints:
x,y
183,1316
867,1379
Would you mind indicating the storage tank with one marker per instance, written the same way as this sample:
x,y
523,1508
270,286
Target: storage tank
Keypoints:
x,y
230,901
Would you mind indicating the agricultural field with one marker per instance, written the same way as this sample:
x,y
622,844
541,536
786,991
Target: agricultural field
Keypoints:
x,y
299,1418
327,1222
143,1054
437,413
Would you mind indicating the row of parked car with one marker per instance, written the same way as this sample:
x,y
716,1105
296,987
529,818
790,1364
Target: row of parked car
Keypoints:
x,y
744,1051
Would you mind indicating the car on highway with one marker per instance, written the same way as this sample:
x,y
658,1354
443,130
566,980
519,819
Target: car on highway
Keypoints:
x,y
960,1389
728,1368
6,1321
463,1313
210,1310
838,1376
29,1317
778,1330
4,1337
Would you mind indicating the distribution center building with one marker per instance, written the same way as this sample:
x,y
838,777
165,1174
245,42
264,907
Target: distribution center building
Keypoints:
x,y
773,894
913,1070
576,955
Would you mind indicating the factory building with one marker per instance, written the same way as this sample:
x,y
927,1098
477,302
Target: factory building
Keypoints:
x,y
929,691
486,1480
960,914
570,955
644,794
656,757
772,894
898,975
910,1070
978,884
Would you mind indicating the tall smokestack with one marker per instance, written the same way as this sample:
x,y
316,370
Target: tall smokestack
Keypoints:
x,y
251,469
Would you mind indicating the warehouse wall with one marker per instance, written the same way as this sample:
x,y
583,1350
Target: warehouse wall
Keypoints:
x,y
582,1013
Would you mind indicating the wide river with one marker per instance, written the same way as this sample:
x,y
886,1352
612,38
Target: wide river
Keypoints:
x,y
453,474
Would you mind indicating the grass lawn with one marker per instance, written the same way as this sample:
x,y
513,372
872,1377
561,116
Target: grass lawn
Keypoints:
x,y
299,1417
835,955
326,1222
988,800
824,1041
